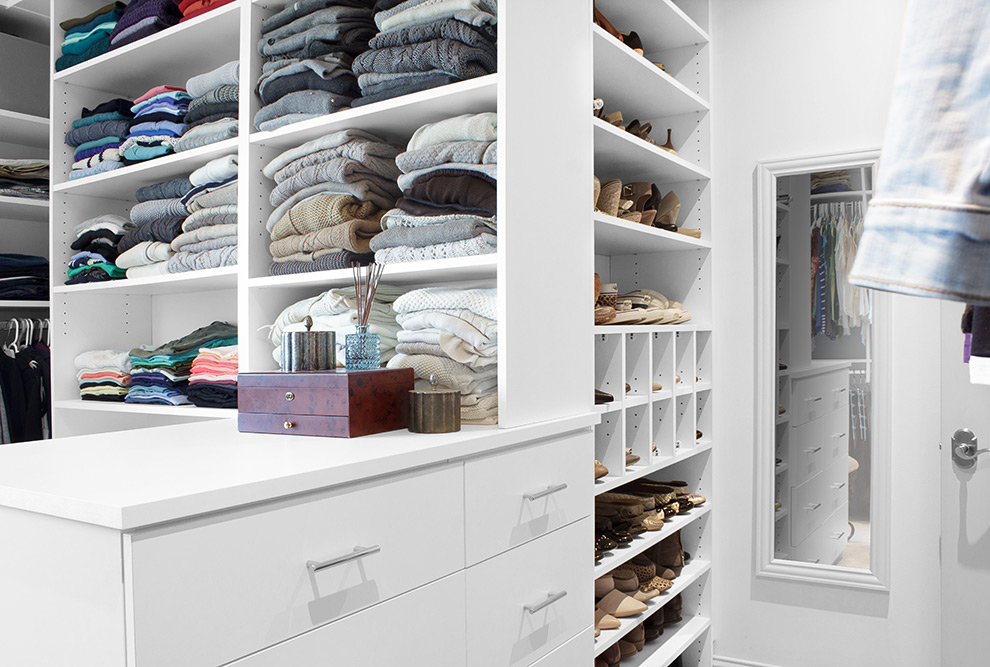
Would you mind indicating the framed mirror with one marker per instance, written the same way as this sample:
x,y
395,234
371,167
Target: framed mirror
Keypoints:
x,y
822,419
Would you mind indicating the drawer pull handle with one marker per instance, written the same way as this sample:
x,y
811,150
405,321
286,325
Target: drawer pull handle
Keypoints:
x,y
288,425
812,507
838,435
838,536
816,561
358,552
545,492
815,400
840,390
551,598
838,485
289,396
813,450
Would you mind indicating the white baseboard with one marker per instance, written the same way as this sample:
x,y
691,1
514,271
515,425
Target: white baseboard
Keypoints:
x,y
721,661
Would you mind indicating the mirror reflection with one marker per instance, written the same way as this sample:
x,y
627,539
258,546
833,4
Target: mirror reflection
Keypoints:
x,y
824,370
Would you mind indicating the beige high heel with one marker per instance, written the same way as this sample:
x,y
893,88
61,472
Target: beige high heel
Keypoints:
x,y
670,208
608,198
669,146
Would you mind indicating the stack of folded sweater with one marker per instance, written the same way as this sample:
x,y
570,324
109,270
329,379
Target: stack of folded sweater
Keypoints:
x,y
452,334
161,375
159,121
24,178
192,8
23,277
212,114
143,18
309,47
336,310
208,236
213,380
97,137
157,220
424,44
824,182
449,191
104,375
329,201
88,36
97,247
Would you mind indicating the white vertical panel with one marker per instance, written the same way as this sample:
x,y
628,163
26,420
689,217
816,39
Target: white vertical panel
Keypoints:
x,y
545,278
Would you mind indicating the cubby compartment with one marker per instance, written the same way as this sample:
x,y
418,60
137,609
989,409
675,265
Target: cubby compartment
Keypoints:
x,y
703,355
638,434
684,415
638,364
664,427
609,364
610,443
684,366
663,363
703,402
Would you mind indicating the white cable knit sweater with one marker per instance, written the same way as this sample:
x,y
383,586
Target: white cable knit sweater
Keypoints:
x,y
481,301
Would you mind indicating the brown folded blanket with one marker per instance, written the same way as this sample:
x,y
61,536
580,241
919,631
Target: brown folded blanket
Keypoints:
x,y
325,210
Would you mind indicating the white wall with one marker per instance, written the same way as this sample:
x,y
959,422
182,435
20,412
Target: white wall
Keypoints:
x,y
794,78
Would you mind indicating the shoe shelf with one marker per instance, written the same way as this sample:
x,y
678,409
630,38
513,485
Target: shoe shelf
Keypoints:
x,y
19,305
191,411
642,542
780,469
655,465
23,129
20,208
649,328
665,650
395,119
615,236
619,154
663,23
206,280
454,269
691,573
783,419
779,514
171,56
122,183
630,83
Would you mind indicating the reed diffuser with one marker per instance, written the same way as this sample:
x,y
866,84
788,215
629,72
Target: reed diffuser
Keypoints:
x,y
362,349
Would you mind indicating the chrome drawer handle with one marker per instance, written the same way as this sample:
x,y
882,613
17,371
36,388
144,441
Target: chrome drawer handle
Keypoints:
x,y
841,390
838,536
838,435
814,400
545,492
813,450
359,552
551,598
838,485
812,507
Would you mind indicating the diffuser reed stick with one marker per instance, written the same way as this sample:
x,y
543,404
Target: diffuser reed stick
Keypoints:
x,y
366,281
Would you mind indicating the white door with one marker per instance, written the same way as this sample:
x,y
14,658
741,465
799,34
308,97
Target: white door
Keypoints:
x,y
965,494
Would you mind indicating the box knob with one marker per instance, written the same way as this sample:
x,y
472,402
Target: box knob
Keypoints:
x,y
288,425
289,396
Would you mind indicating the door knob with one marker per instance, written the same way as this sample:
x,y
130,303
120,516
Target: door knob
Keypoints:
x,y
964,448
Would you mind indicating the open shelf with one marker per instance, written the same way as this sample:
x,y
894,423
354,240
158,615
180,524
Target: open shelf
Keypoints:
x,y
453,269
169,57
611,482
629,82
392,119
122,183
665,22
21,208
641,543
23,129
849,194
145,409
690,574
614,236
618,154
614,406
206,280
784,418
673,642
780,514
779,469
14,305
649,328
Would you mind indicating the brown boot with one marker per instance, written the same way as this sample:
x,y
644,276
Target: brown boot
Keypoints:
x,y
669,554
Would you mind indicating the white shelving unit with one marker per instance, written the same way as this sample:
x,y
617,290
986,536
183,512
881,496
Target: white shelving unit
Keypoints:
x,y
677,357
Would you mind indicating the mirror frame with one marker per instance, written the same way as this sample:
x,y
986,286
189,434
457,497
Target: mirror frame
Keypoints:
x,y
766,565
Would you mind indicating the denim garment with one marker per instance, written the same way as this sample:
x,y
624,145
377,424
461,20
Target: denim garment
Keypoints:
x,y
927,232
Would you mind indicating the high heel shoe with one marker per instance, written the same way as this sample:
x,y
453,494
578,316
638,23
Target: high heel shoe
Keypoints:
x,y
642,194
670,207
608,198
606,24
633,41
669,146
641,131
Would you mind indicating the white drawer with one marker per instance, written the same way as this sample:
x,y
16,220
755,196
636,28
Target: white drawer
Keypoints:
x,y
553,474
807,455
837,434
825,544
501,632
816,500
207,592
574,652
815,396
402,631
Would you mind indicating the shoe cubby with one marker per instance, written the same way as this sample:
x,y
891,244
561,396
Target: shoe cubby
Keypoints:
x,y
638,435
610,366
638,364
703,354
684,362
663,363
684,416
703,421
664,433
610,446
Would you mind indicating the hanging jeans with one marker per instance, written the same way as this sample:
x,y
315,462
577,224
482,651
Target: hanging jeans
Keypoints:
x,y
927,232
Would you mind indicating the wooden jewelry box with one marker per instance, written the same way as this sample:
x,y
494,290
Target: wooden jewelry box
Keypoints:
x,y
339,404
